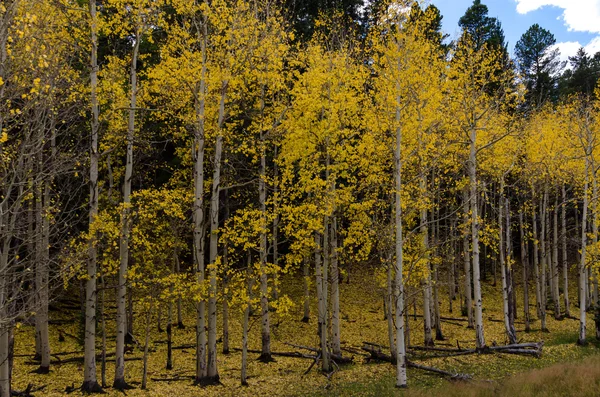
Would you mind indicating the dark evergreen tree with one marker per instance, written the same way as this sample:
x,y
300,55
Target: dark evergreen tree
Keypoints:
x,y
482,28
583,76
539,64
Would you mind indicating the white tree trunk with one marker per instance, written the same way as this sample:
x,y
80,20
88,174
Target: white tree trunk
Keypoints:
x,y
264,287
479,334
389,308
426,282
401,379
525,264
335,292
555,274
212,373
543,261
582,267
467,261
90,383
119,382
565,265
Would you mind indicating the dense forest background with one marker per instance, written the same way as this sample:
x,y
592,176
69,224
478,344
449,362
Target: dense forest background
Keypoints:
x,y
233,162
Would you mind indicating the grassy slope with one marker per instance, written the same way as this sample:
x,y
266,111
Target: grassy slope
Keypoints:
x,y
362,320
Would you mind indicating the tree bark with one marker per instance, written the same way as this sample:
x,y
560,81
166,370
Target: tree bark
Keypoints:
x,y
264,287
335,292
467,261
525,265
212,373
582,267
543,261
119,382
565,265
389,308
426,282
504,267
146,345
472,165
199,222
401,378
555,276
90,383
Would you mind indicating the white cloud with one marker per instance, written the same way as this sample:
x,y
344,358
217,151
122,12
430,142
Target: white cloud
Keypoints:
x,y
578,15
569,48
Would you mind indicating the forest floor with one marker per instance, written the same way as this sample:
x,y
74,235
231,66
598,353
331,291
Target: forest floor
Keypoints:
x,y
563,369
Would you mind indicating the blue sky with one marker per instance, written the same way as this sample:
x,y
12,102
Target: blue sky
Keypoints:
x,y
574,23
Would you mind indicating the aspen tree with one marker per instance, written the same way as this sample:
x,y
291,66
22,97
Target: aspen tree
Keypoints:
x,y
477,88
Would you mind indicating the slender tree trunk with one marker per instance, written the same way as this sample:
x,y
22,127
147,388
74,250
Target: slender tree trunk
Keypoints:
x,y
467,261
525,264
582,267
146,345
264,287
536,268
555,276
426,281
335,291
199,222
504,267
479,333
5,375
565,265
90,384
212,373
275,237
306,317
593,271
439,335
41,275
245,324
389,308
103,329
177,271
226,298
543,261
401,379
119,382
169,364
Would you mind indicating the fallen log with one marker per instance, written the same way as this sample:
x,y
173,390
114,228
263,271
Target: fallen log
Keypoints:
x,y
279,354
335,357
451,375
379,355
27,392
438,349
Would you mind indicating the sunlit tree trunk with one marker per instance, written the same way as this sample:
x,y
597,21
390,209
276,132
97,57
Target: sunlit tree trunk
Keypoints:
x,y
467,260
525,264
389,308
555,274
426,282
212,374
565,265
90,383
119,382
543,261
582,268
335,291
503,246
264,288
401,379
472,165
